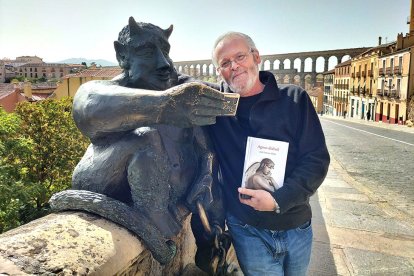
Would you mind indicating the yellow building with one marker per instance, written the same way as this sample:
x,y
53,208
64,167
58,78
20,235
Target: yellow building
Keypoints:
x,y
364,82
341,87
392,92
71,83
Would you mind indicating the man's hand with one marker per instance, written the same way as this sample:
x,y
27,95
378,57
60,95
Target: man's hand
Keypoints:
x,y
195,104
260,200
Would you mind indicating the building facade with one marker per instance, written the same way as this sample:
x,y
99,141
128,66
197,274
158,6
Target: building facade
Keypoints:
x,y
316,96
328,90
33,67
392,92
70,84
364,82
342,78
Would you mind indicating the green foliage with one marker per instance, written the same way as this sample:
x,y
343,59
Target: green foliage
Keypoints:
x,y
39,148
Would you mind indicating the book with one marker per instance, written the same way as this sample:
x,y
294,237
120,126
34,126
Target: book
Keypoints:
x,y
264,164
231,103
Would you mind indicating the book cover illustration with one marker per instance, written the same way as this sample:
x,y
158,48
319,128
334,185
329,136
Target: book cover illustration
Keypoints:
x,y
264,164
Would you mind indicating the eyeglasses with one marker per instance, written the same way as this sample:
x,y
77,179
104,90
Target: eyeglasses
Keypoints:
x,y
239,59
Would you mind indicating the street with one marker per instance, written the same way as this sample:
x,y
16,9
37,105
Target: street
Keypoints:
x,y
363,212
380,159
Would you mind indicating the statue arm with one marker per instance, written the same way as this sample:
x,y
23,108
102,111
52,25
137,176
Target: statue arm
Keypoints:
x,y
103,107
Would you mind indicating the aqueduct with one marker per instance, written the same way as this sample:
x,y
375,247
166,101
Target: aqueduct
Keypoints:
x,y
288,68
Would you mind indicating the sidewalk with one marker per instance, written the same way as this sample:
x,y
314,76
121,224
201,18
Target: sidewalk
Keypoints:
x,y
357,234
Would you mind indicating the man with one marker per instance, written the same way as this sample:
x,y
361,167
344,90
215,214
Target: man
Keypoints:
x,y
271,231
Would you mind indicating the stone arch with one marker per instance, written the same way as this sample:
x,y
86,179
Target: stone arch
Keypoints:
x,y
287,64
276,64
332,62
278,78
286,78
204,70
319,79
266,65
308,64
211,70
297,80
320,64
297,64
197,71
345,58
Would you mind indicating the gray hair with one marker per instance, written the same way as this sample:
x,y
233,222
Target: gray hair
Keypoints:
x,y
243,36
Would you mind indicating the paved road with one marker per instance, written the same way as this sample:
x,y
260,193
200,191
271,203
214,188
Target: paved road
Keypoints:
x,y
380,159
363,213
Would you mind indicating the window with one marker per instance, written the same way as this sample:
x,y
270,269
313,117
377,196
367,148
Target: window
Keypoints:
x,y
398,86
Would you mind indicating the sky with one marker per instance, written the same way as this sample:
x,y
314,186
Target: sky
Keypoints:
x,y
60,29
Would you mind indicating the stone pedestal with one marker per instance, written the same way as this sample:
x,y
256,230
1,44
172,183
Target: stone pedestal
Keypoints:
x,y
76,243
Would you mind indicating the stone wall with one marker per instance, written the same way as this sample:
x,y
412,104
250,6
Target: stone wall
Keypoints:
x,y
76,243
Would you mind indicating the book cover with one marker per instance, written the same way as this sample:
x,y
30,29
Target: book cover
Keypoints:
x,y
264,164
231,103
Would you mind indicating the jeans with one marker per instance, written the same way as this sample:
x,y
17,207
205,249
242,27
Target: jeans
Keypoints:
x,y
268,252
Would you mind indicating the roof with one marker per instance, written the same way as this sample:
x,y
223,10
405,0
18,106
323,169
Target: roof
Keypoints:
x,y
6,89
345,63
315,92
103,72
332,71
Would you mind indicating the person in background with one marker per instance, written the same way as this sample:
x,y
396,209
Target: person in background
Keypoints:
x,y
271,231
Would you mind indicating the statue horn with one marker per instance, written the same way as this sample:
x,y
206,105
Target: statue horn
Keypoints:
x,y
168,31
133,26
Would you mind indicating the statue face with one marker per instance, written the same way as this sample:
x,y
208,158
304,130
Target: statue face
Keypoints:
x,y
150,66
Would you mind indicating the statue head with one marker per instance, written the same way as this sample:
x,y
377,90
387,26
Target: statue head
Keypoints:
x,y
142,51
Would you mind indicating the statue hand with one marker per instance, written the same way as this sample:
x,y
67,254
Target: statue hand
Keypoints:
x,y
200,191
195,104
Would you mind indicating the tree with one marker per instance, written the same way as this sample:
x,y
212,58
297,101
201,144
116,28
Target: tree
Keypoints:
x,y
40,148
12,170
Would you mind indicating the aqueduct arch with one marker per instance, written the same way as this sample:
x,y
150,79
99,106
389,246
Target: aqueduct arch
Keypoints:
x,y
276,65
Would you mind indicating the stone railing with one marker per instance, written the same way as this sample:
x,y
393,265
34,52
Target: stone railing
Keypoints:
x,y
77,243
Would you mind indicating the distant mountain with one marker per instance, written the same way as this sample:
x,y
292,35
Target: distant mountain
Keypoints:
x,y
98,62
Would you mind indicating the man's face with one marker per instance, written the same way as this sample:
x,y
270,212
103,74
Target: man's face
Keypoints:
x,y
243,73
150,66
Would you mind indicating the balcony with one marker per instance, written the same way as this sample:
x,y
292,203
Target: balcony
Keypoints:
x,y
388,71
381,72
353,75
397,70
394,94
380,92
363,74
358,75
370,73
